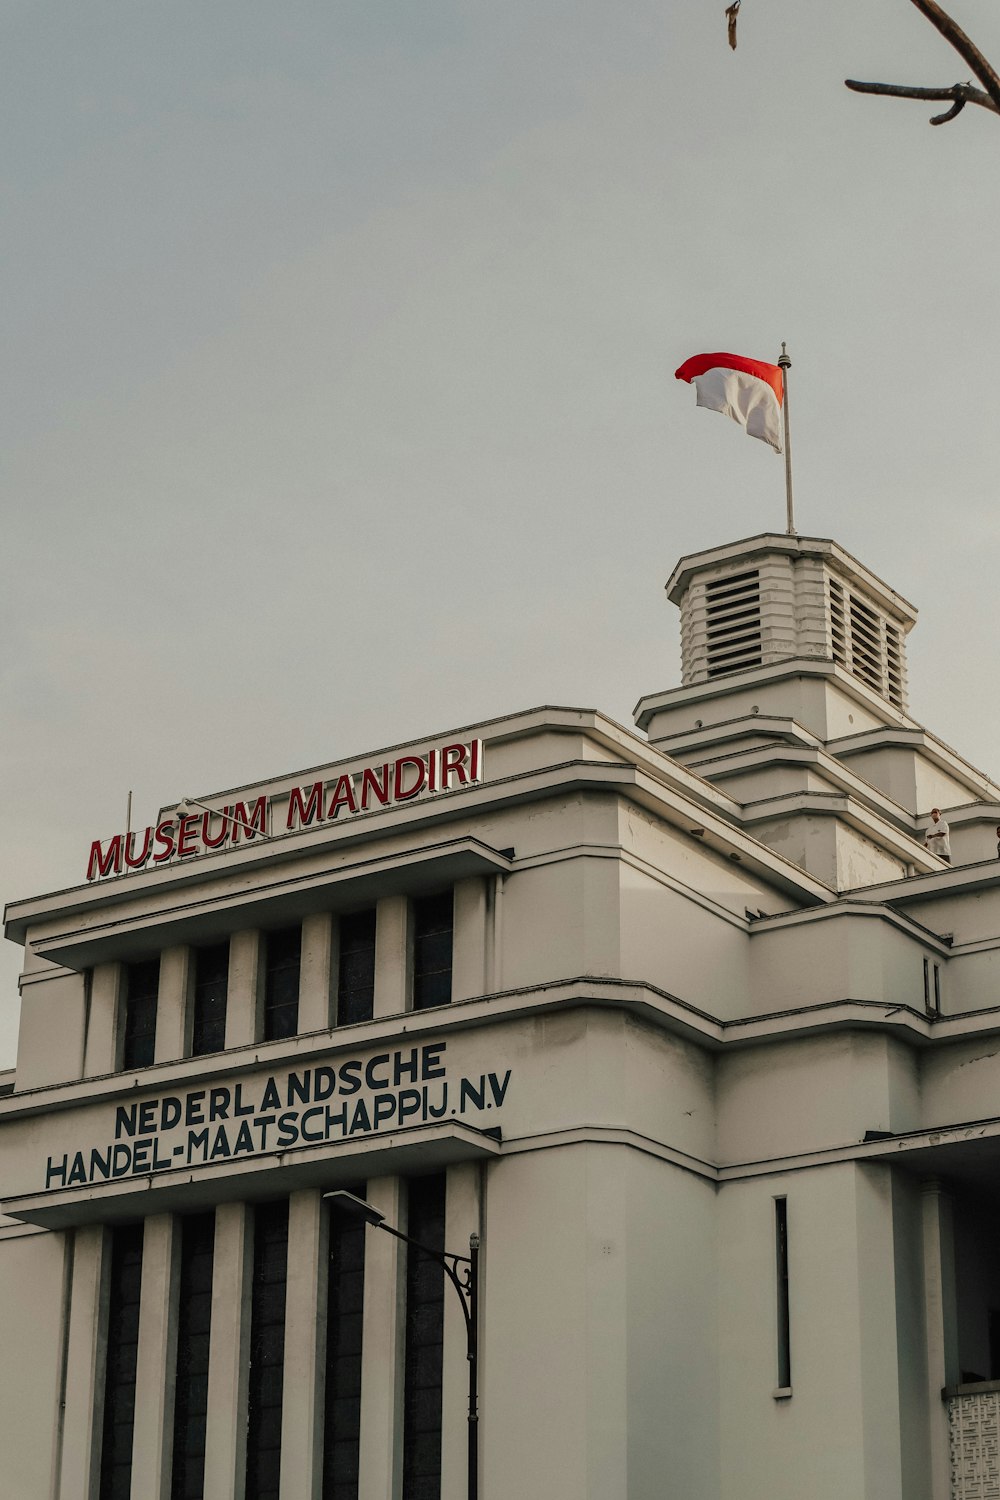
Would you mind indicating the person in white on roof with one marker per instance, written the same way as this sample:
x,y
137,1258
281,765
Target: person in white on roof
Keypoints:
x,y
937,837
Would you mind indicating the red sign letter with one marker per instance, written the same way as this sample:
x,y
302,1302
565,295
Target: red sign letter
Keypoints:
x,y
105,862
305,811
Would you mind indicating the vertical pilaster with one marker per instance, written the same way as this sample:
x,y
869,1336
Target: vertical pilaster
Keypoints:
x,y
101,1045
85,1363
154,1412
305,1327
381,1361
246,980
941,1323
226,1436
392,951
468,971
461,1220
319,965
173,1004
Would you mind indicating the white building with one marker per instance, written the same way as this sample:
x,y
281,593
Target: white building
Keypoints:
x,y
685,1022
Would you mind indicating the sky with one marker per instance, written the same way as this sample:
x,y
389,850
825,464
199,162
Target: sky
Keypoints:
x,y
337,385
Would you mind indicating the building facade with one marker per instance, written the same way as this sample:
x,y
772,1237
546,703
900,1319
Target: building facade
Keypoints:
x,y
684,1023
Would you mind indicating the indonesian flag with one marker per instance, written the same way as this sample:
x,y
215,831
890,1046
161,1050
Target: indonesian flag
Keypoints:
x,y
748,390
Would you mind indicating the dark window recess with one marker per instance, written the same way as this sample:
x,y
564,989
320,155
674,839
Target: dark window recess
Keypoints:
x,y
281,983
356,984
994,1336
142,982
781,1268
345,1306
119,1377
267,1350
424,1342
194,1318
433,934
211,985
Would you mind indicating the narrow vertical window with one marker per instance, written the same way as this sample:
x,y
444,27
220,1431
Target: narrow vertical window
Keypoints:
x,y
345,1306
781,1259
927,984
194,1316
433,933
142,983
267,1350
211,985
281,983
119,1378
937,988
424,1342
356,984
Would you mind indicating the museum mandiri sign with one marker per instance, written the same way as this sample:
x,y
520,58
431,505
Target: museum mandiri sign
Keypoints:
x,y
183,834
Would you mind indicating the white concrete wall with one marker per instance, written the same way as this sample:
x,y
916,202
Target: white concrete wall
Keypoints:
x,y
848,957
837,1436
599,1264
31,1346
52,1031
813,1093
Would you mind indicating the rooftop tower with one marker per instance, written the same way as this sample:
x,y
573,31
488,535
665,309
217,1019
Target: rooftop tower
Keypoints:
x,y
794,696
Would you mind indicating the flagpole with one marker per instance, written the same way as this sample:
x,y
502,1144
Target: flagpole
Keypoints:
x,y
785,365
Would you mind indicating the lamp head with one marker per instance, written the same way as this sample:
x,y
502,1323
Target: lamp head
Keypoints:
x,y
184,807
357,1207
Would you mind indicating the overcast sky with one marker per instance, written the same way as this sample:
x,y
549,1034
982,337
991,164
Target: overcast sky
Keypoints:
x,y
338,392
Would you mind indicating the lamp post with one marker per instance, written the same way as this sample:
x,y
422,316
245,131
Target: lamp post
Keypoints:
x,y
466,1284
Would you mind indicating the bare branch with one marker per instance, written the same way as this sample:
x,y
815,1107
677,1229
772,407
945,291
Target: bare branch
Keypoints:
x,y
963,45
960,93
949,114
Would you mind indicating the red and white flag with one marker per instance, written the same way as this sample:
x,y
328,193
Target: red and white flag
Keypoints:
x,y
748,390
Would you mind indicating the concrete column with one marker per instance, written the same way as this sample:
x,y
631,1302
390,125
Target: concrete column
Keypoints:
x,y
173,1004
101,1046
246,987
156,1361
85,1363
468,965
381,1361
941,1323
461,1219
317,975
392,956
877,1384
305,1338
226,1436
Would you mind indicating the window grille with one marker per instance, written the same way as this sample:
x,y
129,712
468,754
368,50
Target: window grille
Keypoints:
x,y
142,982
211,985
356,983
865,643
345,1309
424,1342
281,983
122,1355
194,1318
433,935
732,616
267,1350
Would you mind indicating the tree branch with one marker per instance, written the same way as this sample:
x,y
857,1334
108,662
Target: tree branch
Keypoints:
x,y
960,93
963,45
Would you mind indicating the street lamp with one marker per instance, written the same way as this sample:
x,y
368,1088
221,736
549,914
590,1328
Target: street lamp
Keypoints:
x,y
466,1284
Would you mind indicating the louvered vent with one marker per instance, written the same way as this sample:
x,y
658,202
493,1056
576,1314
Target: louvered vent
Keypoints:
x,y
732,613
866,643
